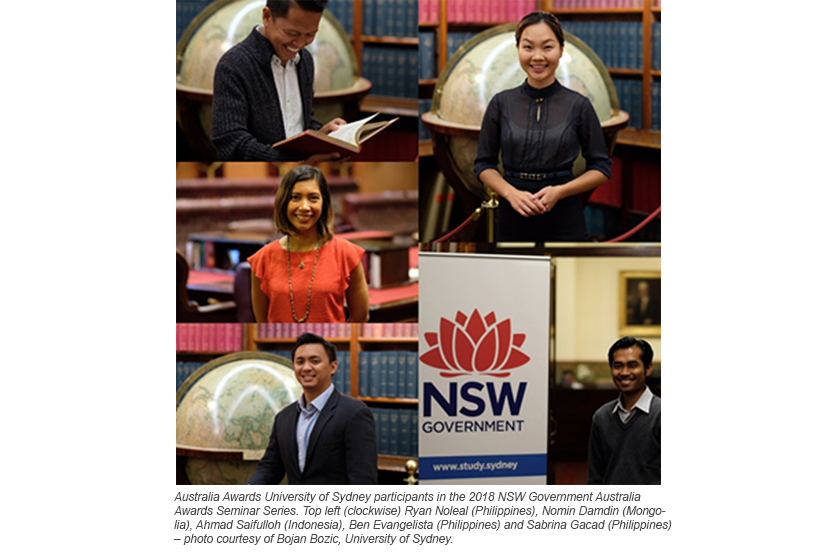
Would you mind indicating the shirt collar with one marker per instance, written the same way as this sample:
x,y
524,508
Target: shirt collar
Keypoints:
x,y
642,404
318,402
535,93
295,60
264,50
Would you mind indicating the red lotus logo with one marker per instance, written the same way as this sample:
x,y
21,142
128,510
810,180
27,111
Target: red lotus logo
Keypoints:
x,y
480,346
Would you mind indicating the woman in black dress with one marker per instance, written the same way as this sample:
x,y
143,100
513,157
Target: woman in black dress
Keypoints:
x,y
540,128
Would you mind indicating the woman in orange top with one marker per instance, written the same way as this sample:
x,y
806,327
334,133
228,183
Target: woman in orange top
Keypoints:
x,y
306,275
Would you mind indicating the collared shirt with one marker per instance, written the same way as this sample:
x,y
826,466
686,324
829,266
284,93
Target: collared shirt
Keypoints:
x,y
306,421
288,92
642,404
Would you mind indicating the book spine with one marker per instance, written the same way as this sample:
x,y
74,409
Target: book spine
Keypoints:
x,y
364,374
391,26
392,375
375,375
405,433
412,17
380,416
393,431
413,419
656,100
402,374
369,15
411,375
410,88
656,63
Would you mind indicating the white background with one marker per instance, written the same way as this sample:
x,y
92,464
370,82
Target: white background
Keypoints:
x,y
749,189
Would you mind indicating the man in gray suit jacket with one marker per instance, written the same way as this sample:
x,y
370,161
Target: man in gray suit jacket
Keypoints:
x,y
325,437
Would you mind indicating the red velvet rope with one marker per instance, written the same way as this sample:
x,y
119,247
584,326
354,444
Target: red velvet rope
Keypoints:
x,y
445,238
642,224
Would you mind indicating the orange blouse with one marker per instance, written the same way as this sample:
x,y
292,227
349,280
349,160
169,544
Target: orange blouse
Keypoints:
x,y
336,261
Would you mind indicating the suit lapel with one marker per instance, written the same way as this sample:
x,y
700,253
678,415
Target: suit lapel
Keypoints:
x,y
291,441
323,419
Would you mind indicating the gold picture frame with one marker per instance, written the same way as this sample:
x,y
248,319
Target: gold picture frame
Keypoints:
x,y
640,303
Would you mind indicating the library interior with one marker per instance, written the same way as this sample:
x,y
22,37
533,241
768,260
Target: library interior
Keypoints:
x,y
403,196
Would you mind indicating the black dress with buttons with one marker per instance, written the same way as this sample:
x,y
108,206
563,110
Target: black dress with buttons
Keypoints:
x,y
540,133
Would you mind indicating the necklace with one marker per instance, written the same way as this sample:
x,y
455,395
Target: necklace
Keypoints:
x,y
311,280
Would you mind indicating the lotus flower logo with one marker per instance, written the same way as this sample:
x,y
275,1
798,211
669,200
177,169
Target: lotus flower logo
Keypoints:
x,y
478,346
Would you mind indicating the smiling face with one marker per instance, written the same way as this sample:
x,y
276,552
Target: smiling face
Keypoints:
x,y
539,54
313,369
305,206
291,33
629,372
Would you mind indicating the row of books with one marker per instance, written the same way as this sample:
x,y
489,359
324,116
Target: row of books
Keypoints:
x,y
185,12
599,4
391,69
390,18
476,11
646,177
396,431
629,92
617,43
454,40
382,331
388,374
610,192
293,330
207,254
390,330
183,370
208,337
343,12
630,99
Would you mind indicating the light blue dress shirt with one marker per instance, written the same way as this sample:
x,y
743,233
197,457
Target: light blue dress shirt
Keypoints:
x,y
306,421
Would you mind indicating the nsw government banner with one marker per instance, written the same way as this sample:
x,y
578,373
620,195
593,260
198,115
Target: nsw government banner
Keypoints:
x,y
483,353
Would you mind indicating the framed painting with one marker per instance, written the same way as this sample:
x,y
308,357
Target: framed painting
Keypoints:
x,y
640,303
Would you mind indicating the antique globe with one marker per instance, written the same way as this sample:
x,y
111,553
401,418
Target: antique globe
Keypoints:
x,y
487,64
225,412
338,84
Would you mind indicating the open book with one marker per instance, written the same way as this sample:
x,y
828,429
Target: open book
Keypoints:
x,y
347,140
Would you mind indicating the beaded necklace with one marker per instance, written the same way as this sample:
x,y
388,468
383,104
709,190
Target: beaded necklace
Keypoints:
x,y
311,280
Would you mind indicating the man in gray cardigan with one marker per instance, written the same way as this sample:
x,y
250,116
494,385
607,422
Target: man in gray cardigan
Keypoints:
x,y
262,88
624,442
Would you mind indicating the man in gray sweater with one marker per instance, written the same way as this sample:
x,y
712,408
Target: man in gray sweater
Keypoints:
x,y
262,88
624,443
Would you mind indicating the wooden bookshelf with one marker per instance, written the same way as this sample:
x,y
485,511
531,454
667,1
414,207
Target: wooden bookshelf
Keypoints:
x,y
357,343
388,105
647,14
